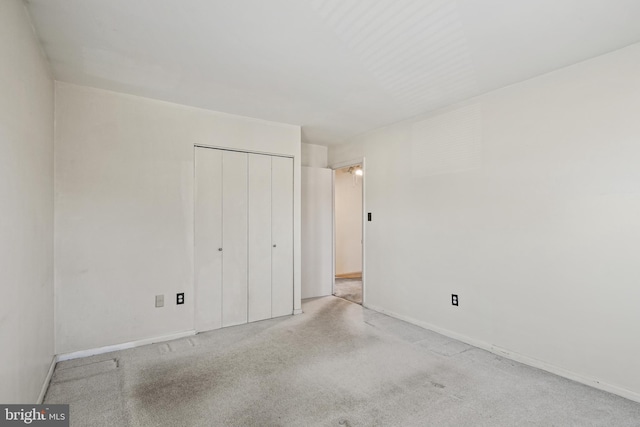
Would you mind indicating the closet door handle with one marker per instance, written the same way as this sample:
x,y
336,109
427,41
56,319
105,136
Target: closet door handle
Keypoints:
x,y
220,249
274,246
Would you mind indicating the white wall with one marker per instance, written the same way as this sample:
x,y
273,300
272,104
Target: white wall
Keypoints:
x,y
526,203
348,217
314,155
26,208
124,210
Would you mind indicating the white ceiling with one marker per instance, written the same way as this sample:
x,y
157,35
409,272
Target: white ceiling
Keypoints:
x,y
336,67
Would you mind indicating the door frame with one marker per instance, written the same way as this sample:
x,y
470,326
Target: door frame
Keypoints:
x,y
341,165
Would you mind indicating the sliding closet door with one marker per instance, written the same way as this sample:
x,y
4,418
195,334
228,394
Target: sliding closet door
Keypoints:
x,y
259,237
208,239
234,238
282,236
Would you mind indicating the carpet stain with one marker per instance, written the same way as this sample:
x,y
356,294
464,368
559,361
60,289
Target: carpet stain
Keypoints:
x,y
172,390
260,363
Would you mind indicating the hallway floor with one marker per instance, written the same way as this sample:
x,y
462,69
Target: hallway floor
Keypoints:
x,y
337,364
349,289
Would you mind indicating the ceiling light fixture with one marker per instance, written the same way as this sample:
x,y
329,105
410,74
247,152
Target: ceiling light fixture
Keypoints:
x,y
357,170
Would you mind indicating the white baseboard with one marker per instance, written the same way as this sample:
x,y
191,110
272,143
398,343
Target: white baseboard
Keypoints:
x,y
297,311
47,380
592,382
123,346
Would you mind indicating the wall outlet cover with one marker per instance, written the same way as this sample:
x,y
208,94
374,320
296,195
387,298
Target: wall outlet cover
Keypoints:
x,y
180,298
454,299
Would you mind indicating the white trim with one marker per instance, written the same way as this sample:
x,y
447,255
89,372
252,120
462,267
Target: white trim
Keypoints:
x,y
241,150
592,382
346,163
123,346
364,231
333,231
47,380
297,311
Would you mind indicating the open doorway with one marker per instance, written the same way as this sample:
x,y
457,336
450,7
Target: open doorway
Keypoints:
x,y
348,217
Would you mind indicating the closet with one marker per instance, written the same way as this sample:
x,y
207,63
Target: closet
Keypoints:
x,y
243,237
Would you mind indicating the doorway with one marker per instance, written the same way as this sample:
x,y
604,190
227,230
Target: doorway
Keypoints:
x,y
348,241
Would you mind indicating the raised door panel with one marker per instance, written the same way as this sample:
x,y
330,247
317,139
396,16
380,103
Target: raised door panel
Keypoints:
x,y
282,236
259,237
208,239
234,238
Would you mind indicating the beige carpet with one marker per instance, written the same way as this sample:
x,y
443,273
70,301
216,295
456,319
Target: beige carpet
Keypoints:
x,y
349,289
338,364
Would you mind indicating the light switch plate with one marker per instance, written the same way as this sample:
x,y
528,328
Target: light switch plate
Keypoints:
x,y
159,300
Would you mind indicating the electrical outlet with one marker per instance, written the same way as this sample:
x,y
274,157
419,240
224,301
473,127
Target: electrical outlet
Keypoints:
x,y
159,300
454,299
180,298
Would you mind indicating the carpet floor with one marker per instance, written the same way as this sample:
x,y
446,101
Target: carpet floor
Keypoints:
x,y
338,364
349,289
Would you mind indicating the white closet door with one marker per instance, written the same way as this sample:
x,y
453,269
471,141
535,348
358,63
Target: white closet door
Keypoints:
x,y
259,237
208,239
234,238
282,236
